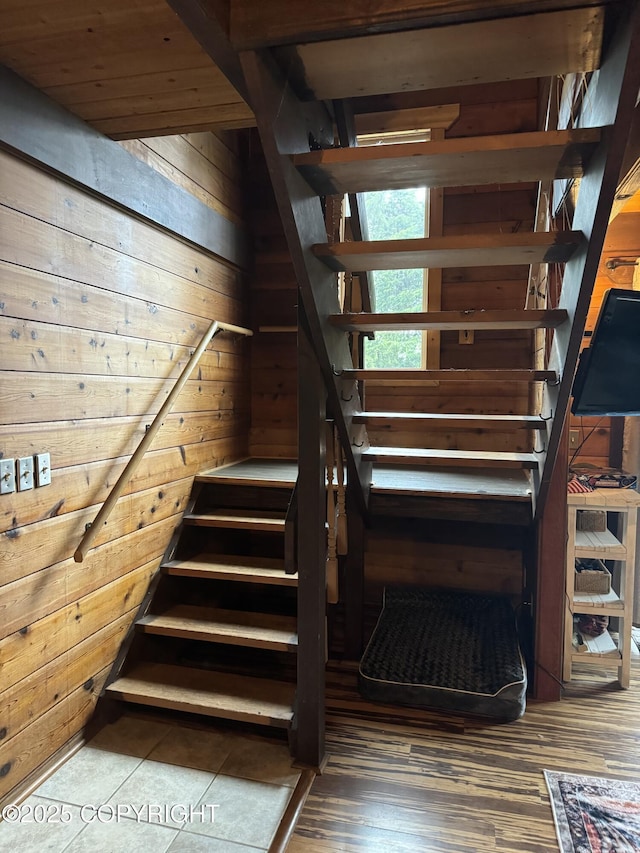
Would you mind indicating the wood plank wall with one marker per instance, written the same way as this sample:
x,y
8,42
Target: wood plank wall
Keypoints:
x,y
460,555
98,314
274,297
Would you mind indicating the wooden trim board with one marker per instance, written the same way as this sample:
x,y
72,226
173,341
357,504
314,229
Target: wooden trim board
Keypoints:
x,y
41,131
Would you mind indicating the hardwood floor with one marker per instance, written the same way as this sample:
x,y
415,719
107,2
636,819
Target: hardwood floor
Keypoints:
x,y
401,780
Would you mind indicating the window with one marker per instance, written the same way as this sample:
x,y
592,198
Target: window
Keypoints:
x,y
396,215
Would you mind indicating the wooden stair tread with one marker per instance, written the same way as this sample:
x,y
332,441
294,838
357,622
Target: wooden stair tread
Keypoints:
x,y
456,421
199,691
456,458
237,519
464,161
452,320
258,630
540,45
510,484
230,567
254,471
464,250
449,375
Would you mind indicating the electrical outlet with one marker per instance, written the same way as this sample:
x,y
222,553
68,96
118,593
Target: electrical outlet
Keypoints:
x,y
574,437
7,476
43,469
25,473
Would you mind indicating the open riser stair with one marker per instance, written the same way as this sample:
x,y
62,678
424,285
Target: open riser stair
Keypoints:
x,y
218,636
473,433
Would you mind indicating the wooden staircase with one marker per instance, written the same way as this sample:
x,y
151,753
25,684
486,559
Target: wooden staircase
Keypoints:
x,y
217,635
296,94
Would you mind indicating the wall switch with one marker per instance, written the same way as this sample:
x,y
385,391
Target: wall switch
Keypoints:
x,y
43,469
574,437
7,476
25,473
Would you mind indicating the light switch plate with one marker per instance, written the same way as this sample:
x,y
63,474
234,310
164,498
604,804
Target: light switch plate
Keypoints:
x,y
25,473
43,469
7,476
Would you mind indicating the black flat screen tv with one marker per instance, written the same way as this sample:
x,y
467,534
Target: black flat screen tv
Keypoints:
x,y
607,381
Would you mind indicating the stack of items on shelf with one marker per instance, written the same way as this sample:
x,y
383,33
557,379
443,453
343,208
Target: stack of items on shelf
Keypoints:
x,y
591,576
586,478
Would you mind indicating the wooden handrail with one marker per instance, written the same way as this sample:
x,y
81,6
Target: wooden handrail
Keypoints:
x,y
101,518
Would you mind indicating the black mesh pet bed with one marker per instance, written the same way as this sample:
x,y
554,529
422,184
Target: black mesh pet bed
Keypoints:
x,y
446,650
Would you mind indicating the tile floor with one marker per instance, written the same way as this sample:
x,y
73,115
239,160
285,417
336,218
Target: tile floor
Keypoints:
x,y
161,787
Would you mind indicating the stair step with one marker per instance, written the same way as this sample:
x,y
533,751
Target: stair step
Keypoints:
x,y
450,458
452,320
215,694
467,161
451,375
232,627
237,519
430,419
465,250
234,568
558,42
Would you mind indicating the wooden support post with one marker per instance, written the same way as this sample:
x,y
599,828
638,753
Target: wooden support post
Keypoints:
x,y
550,582
353,584
312,553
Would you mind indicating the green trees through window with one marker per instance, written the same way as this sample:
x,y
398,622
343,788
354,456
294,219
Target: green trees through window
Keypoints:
x,y
396,215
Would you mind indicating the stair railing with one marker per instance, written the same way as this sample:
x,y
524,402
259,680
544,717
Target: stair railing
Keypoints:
x,y
101,518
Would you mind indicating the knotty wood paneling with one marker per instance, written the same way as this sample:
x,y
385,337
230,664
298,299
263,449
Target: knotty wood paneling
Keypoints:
x,y
274,298
99,313
76,54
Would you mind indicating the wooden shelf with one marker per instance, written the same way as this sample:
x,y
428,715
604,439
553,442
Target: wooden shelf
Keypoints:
x,y
467,161
601,543
609,604
622,503
598,647
467,250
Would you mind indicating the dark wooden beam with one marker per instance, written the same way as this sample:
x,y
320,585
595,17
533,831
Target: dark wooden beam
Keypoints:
x,y
286,126
37,129
549,583
201,18
312,555
612,102
254,25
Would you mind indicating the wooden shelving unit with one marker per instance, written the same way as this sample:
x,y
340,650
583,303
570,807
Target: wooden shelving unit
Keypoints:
x,y
618,549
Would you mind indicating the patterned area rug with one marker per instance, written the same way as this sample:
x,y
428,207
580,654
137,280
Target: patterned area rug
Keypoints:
x,y
594,815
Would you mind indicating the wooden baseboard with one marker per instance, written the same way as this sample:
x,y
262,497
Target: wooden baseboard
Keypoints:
x,y
292,812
